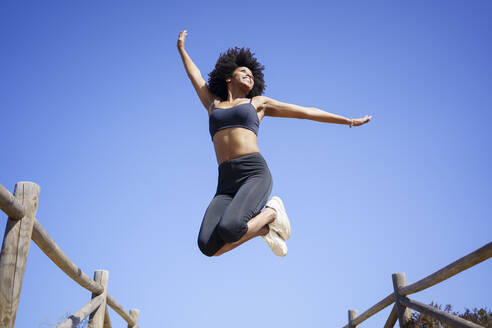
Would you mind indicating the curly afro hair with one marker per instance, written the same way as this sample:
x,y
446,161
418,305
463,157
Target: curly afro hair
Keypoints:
x,y
225,66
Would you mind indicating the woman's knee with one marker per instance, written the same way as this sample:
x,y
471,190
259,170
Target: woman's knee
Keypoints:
x,y
231,231
206,248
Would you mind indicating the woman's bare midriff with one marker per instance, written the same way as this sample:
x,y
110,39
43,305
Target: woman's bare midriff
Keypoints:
x,y
234,142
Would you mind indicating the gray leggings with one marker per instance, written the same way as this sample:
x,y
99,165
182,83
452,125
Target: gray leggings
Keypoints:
x,y
243,189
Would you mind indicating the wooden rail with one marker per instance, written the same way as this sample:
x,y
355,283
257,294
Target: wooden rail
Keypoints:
x,y
400,311
22,226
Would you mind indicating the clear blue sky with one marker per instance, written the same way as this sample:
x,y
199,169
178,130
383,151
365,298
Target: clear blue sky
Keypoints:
x,y
96,108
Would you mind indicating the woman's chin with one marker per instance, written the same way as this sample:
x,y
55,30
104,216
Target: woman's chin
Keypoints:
x,y
247,89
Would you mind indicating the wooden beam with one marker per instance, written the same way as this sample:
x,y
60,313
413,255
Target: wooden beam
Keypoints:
x,y
75,319
442,316
387,301
15,249
51,249
12,206
448,271
134,313
404,314
352,314
16,209
118,308
466,262
96,319
390,322
107,320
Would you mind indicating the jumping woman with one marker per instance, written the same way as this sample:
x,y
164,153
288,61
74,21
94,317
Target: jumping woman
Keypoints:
x,y
235,106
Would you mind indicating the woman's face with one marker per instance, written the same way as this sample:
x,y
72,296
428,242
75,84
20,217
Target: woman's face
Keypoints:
x,y
243,77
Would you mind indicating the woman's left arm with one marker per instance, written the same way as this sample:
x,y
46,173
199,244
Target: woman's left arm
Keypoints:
x,y
277,108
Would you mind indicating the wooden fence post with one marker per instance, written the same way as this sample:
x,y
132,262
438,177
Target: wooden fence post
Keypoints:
x,y
352,314
107,320
134,314
96,319
393,316
404,314
14,252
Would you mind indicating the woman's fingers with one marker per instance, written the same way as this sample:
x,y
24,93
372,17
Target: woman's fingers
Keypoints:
x,y
182,37
361,121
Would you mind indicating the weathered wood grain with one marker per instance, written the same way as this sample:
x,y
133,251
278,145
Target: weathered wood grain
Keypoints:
x,y
118,308
390,322
466,262
12,206
442,316
134,313
16,209
107,320
388,300
75,319
15,248
96,319
51,249
448,271
404,314
352,314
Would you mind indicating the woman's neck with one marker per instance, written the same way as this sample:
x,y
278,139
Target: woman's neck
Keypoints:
x,y
233,94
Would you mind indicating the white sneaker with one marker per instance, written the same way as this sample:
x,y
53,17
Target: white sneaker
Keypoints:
x,y
276,243
281,224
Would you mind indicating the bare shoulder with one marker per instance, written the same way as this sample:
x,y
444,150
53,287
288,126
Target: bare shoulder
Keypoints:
x,y
259,102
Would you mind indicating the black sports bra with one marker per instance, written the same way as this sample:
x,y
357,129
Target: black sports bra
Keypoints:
x,y
243,115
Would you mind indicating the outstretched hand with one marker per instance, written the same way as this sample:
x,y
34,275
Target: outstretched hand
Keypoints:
x,y
360,121
181,39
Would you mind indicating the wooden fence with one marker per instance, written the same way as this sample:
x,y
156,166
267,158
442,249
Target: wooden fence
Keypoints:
x,y
22,226
402,305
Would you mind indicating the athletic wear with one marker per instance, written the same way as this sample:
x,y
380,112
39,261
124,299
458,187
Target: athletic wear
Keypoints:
x,y
276,243
243,115
244,186
281,224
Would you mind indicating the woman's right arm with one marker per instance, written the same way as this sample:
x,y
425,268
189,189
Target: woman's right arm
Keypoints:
x,y
206,97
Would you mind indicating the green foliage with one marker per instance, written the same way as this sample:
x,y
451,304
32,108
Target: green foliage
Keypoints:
x,y
480,316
